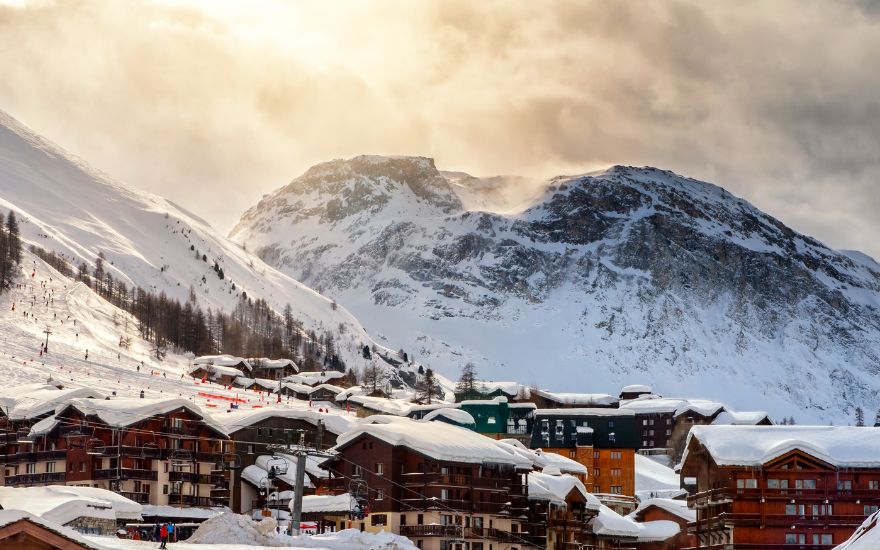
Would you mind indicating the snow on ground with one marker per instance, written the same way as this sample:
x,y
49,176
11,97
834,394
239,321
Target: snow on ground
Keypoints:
x,y
655,480
81,322
866,537
62,504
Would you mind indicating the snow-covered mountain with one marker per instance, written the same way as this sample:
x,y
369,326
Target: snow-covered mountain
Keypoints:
x,y
66,206
625,275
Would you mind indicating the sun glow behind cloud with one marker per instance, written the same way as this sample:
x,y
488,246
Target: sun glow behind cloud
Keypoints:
x,y
215,102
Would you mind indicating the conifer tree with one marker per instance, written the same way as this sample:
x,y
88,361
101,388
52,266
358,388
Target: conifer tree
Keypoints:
x,y
860,417
467,383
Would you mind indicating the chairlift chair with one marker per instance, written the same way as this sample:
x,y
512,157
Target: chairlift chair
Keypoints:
x,y
231,461
95,447
150,450
276,466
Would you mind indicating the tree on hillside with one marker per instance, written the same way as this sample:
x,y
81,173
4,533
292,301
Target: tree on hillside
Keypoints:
x,y
860,417
13,239
371,377
366,352
429,388
467,383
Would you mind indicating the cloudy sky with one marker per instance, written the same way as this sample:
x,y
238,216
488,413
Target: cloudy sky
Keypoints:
x,y
215,103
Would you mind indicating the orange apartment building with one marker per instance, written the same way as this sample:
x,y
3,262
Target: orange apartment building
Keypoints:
x,y
763,487
604,440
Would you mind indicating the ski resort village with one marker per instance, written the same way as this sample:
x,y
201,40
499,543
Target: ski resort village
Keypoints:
x,y
439,275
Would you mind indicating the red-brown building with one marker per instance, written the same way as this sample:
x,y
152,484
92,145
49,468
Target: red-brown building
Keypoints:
x,y
434,483
152,451
665,524
763,487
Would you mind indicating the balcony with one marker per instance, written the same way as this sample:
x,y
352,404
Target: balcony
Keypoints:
x,y
140,498
418,479
36,456
189,477
36,479
126,473
190,431
189,500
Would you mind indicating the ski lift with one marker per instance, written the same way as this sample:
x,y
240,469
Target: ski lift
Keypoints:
x,y
276,466
150,450
95,447
180,457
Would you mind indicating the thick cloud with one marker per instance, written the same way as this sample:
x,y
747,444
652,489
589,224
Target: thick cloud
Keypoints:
x,y
215,103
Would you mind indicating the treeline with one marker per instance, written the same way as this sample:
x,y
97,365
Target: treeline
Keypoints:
x,y
10,249
252,329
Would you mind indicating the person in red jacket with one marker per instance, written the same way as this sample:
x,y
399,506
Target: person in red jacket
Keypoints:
x,y
163,534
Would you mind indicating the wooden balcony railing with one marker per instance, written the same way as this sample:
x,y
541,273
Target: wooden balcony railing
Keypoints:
x,y
36,479
126,473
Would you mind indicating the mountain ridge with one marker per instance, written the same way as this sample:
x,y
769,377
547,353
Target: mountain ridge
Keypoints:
x,y
650,274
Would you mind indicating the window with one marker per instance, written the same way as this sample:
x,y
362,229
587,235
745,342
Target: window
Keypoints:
x,y
595,472
82,466
610,423
651,433
822,539
874,484
165,489
822,509
30,468
794,510
795,538
50,467
651,443
444,494
777,484
616,490
668,432
870,509
645,422
572,454
844,485
597,489
380,494
356,470
644,443
478,522
379,519
652,422
668,421
596,455
615,472
616,455
250,448
379,469
809,484
747,483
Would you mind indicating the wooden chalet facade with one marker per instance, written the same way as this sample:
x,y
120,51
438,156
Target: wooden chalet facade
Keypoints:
x,y
560,510
152,451
478,500
781,486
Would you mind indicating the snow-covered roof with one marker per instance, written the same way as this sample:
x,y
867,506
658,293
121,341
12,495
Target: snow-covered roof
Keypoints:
x,y
657,531
654,479
329,387
35,400
652,405
584,412
442,442
258,473
493,401
489,386
326,504
62,504
581,399
312,378
460,417
556,488
222,361
123,412
562,463
10,516
747,418
610,523
637,388
216,371
266,363
702,407
677,508
866,537
233,421
841,446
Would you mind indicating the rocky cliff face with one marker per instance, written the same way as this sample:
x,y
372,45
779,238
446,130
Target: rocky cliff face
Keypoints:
x,y
627,275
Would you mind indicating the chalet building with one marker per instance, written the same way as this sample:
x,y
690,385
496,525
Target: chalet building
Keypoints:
x,y
152,451
603,440
499,419
434,486
513,391
258,432
544,399
272,369
23,531
269,483
456,417
219,374
635,391
418,412
316,378
229,361
655,420
664,523
803,487
560,510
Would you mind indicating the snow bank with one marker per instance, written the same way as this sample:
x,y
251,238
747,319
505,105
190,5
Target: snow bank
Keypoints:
x,y
62,504
866,537
655,480
238,529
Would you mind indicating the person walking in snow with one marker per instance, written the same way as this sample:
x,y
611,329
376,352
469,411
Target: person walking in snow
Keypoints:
x,y
156,532
163,534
